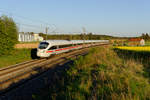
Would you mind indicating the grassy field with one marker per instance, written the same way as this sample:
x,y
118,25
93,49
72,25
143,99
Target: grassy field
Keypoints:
x,y
17,56
139,54
103,74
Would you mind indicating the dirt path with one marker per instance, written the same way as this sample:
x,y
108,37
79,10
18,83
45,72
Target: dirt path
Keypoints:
x,y
26,45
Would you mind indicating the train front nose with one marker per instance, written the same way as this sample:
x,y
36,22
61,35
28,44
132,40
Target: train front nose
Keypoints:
x,y
42,53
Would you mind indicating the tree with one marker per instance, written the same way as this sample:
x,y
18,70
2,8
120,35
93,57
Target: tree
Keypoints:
x,y
145,36
8,35
90,35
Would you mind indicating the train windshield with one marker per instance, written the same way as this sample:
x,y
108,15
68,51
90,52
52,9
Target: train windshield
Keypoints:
x,y
43,45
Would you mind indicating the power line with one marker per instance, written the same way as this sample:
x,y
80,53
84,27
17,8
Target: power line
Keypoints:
x,y
23,17
29,25
32,20
52,26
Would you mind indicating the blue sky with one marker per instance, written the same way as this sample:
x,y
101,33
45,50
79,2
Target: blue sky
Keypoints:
x,y
112,17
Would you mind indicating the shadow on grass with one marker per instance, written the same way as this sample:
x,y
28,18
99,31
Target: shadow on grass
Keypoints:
x,y
48,79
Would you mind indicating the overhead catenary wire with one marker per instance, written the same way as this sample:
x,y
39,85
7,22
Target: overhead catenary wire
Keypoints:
x,y
43,24
23,17
29,25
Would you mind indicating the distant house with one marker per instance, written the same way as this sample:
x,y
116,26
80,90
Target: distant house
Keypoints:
x,y
29,37
25,37
136,42
37,37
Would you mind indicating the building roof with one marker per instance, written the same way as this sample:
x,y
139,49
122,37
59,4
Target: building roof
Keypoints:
x,y
135,39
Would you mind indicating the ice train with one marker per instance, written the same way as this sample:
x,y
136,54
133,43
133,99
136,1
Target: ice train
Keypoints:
x,y
50,47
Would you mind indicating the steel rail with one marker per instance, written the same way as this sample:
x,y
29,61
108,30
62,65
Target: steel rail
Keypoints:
x,y
25,71
17,67
4,86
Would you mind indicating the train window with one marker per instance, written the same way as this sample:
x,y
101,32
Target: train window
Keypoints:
x,y
43,45
64,46
52,48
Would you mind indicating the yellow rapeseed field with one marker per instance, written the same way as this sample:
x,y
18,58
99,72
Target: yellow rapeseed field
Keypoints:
x,y
146,48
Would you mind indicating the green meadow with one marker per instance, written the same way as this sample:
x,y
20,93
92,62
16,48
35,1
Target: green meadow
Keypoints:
x,y
15,57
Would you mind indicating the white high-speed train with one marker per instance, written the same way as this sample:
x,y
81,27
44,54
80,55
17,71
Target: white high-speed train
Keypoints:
x,y
49,47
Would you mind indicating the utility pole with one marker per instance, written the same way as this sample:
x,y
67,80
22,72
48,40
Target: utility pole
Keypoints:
x,y
46,30
84,33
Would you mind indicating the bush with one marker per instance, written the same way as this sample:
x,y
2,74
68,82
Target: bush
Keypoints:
x,y
8,35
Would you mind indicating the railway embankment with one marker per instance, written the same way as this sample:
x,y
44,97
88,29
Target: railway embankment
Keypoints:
x,y
102,74
21,81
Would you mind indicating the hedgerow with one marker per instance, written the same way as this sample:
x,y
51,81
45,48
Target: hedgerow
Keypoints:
x,y
8,35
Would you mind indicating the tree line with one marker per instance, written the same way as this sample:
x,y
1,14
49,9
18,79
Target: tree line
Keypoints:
x,y
145,36
88,36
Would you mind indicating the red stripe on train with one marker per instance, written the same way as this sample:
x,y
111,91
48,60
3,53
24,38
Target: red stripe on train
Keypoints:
x,y
63,49
49,51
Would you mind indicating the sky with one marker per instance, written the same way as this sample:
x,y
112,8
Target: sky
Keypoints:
x,y
109,17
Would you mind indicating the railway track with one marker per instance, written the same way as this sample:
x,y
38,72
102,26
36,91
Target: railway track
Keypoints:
x,y
14,76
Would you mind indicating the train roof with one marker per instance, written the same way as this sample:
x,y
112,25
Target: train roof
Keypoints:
x,y
66,42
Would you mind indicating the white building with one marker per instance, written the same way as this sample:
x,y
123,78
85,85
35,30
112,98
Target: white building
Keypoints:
x,y
37,37
142,42
29,37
